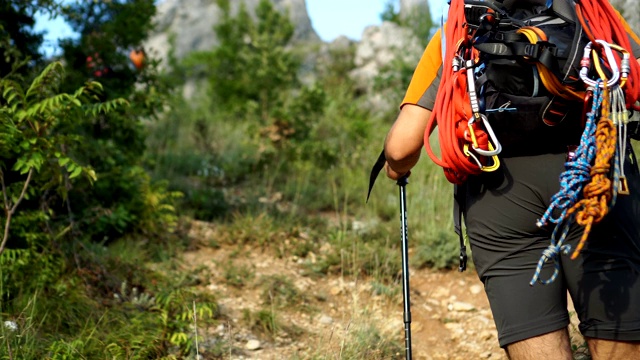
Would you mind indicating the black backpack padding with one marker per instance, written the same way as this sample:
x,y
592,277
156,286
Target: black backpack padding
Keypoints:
x,y
509,80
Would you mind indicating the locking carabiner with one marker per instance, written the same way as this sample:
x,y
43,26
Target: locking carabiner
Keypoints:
x,y
585,64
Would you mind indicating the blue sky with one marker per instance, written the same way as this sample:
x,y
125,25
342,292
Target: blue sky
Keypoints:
x,y
330,19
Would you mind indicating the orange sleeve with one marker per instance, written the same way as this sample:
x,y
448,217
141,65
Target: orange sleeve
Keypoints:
x,y
426,71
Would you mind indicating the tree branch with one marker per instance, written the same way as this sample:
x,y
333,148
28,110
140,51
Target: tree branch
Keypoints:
x,y
4,192
9,212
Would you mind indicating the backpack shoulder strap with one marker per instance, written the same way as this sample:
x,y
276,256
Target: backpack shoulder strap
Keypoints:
x,y
565,9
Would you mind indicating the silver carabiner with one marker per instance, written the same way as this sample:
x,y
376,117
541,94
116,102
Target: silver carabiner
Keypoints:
x,y
492,137
585,64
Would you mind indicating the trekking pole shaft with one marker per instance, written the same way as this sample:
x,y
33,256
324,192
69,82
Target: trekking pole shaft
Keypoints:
x,y
402,182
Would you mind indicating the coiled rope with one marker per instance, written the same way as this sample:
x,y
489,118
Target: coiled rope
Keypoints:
x,y
572,182
453,111
579,201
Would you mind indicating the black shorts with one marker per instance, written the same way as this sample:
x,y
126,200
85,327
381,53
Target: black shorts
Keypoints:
x,y
604,281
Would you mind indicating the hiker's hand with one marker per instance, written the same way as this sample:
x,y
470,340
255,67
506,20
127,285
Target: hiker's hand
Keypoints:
x,y
392,174
404,142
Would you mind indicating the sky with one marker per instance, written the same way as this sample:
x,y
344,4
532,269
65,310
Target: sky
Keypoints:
x,y
330,19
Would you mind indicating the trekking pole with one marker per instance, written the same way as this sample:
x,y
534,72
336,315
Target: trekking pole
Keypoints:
x,y
402,183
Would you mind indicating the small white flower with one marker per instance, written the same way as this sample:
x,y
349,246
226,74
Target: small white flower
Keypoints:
x,y
11,325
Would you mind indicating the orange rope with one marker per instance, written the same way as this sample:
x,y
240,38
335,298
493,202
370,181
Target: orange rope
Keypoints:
x,y
452,109
599,192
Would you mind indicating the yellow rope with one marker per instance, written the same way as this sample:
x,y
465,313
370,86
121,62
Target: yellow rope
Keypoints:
x,y
549,80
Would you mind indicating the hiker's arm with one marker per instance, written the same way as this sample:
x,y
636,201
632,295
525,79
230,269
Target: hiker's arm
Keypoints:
x,y
404,142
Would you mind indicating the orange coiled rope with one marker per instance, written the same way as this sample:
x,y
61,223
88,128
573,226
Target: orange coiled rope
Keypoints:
x,y
598,193
601,21
452,109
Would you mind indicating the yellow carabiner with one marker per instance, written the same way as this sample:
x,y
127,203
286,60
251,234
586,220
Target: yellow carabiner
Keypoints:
x,y
493,167
496,162
472,134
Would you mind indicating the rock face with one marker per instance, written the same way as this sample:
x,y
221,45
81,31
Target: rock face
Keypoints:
x,y
192,22
406,6
380,45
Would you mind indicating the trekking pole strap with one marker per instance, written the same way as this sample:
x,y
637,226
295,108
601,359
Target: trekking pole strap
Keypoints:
x,y
375,171
459,198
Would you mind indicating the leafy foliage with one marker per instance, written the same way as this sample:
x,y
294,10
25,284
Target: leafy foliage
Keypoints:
x,y
71,146
17,41
252,78
252,63
31,146
114,143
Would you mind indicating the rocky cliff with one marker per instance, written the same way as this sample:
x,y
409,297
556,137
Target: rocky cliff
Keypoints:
x,y
192,22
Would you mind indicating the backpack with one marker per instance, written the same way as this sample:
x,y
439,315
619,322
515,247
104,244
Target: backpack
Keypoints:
x,y
527,75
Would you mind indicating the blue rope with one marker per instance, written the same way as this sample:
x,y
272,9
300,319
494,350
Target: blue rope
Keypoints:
x,y
552,252
577,172
572,181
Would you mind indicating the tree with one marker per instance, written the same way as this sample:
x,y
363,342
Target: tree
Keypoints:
x,y
30,148
253,63
114,143
18,42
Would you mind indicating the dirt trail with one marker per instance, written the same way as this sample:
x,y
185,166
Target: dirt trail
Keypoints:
x,y
451,318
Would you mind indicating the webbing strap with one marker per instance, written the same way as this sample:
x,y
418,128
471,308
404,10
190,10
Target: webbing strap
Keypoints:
x,y
541,52
375,170
459,201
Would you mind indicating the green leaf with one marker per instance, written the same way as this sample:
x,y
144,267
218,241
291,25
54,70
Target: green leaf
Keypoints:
x,y
75,172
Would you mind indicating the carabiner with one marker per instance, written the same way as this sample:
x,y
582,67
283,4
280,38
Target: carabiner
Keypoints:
x,y
492,137
585,64
496,162
625,67
493,167
465,150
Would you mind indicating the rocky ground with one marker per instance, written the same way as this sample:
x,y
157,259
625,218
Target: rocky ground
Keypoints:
x,y
450,313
